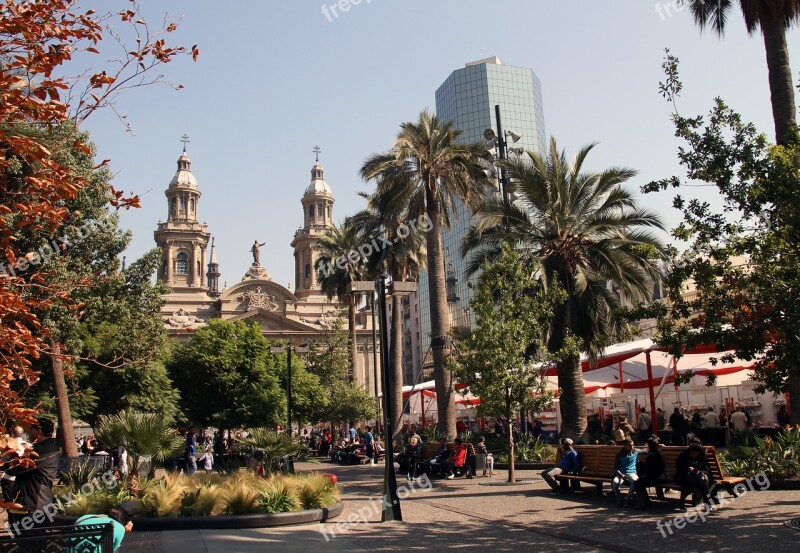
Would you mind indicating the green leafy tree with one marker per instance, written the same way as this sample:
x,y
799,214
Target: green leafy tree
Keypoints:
x,y
742,261
773,18
430,170
227,377
500,362
579,231
343,400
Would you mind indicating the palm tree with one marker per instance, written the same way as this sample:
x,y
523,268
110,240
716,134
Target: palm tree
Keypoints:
x,y
580,231
143,435
400,255
274,446
333,277
774,18
429,168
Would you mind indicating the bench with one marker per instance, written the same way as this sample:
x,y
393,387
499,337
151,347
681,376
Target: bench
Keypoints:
x,y
597,467
87,537
429,451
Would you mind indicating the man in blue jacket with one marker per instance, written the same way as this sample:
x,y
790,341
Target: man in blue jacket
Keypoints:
x,y
570,464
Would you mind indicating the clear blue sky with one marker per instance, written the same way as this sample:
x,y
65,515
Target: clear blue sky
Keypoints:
x,y
274,78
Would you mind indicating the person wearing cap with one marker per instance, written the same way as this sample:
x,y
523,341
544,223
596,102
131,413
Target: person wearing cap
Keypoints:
x,y
570,464
33,487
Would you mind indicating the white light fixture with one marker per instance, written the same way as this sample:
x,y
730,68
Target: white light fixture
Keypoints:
x,y
514,136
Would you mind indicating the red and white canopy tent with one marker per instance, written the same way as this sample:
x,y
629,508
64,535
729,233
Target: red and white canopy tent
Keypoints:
x,y
630,366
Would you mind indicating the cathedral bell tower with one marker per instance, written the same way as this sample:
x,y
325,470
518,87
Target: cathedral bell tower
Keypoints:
x,y
317,204
182,239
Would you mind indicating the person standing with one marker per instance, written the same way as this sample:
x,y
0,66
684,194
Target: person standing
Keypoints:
x,y
783,417
191,452
661,418
208,459
7,478
33,487
711,419
680,428
739,420
644,426
369,442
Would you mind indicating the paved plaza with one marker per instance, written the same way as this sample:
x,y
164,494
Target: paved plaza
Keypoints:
x,y
483,515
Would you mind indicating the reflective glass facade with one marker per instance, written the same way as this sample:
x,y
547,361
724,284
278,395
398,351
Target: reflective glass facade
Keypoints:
x,y
468,98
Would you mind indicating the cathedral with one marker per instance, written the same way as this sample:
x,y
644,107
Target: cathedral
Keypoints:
x,y
302,316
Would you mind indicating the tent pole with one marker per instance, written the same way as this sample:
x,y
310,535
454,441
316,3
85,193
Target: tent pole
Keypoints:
x,y
621,379
653,418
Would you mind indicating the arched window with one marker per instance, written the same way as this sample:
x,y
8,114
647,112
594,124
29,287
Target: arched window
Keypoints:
x,y
182,264
320,210
183,203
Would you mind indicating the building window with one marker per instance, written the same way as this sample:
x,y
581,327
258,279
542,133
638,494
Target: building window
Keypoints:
x,y
182,264
174,205
191,206
308,270
183,203
320,210
311,211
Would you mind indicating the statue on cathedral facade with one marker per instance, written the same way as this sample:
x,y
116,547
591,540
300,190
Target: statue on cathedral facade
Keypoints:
x,y
256,250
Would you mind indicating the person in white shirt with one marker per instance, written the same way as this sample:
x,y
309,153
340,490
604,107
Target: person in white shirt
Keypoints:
x,y
711,419
739,420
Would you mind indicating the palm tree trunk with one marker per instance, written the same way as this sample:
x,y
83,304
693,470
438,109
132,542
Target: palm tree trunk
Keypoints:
x,y
780,75
572,400
65,430
440,320
351,314
396,367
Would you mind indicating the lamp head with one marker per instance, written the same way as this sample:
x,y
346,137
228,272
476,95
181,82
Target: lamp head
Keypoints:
x,y
514,136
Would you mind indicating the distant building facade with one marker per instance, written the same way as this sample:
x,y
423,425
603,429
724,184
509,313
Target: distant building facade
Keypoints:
x,y
304,315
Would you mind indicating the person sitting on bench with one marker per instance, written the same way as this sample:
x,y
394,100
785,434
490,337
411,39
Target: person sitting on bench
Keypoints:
x,y
694,475
654,474
570,464
435,465
625,471
457,460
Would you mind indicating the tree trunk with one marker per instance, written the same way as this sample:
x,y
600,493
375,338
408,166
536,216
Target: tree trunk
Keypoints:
x,y
66,432
440,320
572,401
396,366
351,313
781,85
510,433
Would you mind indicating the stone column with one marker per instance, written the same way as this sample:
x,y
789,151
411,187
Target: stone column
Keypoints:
x,y
203,282
168,250
195,260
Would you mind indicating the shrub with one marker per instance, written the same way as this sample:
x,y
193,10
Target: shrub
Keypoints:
x,y
279,497
316,491
778,458
204,501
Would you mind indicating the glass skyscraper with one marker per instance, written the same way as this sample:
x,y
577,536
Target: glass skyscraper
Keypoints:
x,y
468,98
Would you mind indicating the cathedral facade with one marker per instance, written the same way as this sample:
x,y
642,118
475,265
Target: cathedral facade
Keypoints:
x,y
300,316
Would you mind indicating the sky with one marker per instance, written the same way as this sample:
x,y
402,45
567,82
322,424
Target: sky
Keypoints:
x,y
276,78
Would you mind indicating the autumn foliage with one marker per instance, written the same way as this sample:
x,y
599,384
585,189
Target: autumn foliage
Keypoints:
x,y
38,41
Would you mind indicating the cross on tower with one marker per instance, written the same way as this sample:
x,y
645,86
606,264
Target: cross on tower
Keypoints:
x,y
317,150
185,140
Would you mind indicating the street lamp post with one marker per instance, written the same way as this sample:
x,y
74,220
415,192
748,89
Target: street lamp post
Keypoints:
x,y
391,501
288,350
501,142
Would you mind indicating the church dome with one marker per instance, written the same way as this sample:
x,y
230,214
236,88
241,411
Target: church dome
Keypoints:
x,y
318,186
183,177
